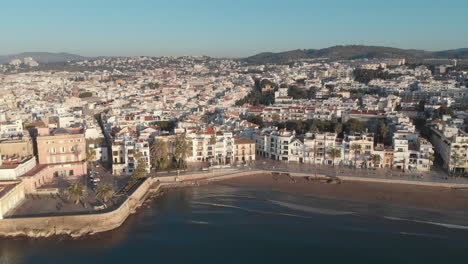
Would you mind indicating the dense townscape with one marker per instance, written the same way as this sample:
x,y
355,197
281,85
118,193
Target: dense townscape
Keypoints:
x,y
142,115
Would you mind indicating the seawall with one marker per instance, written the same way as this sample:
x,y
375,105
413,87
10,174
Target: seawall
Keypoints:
x,y
88,224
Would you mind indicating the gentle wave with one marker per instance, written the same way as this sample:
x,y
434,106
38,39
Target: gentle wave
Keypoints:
x,y
198,222
309,209
249,210
427,222
233,196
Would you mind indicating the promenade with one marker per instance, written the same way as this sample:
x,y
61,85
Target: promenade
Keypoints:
x,y
424,178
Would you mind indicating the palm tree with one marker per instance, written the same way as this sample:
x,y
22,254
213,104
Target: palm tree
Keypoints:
x,y
431,157
213,140
140,170
182,149
76,192
355,148
375,159
90,154
213,143
105,191
455,158
159,154
334,153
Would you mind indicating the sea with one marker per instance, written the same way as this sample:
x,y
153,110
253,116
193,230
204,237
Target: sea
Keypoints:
x,y
220,223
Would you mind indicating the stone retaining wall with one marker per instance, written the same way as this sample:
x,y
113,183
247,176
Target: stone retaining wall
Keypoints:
x,y
85,224
75,225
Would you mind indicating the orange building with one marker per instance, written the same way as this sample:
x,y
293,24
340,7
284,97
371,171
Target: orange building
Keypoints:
x,y
244,150
63,150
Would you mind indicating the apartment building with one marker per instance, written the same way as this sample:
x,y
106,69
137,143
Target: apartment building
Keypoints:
x,y
124,148
244,150
220,148
451,144
63,149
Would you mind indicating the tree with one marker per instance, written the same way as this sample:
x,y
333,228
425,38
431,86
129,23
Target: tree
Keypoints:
x,y
85,95
76,192
443,110
375,159
105,192
213,140
159,154
455,159
355,148
367,75
256,119
182,150
381,131
140,170
334,153
90,154
431,157
166,125
153,86
275,117
353,125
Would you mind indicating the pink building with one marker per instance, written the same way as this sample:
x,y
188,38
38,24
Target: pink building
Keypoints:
x,y
63,150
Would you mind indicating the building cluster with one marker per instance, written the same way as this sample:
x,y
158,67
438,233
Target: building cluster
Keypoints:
x,y
113,110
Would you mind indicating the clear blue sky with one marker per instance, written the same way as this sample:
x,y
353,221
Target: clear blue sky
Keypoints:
x,y
231,28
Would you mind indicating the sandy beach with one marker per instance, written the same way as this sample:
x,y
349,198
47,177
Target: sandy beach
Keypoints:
x,y
439,198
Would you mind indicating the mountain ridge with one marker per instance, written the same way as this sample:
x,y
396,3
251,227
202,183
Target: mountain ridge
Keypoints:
x,y
349,52
44,57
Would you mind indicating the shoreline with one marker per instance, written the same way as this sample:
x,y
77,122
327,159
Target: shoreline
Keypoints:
x,y
444,198
439,196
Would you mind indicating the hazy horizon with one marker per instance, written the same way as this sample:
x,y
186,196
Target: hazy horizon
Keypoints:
x,y
227,28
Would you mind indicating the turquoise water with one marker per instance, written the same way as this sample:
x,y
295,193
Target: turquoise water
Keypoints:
x,y
225,224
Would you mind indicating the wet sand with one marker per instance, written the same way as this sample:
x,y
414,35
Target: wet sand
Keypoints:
x,y
439,198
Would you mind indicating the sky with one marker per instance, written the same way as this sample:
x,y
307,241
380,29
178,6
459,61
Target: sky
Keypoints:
x,y
227,28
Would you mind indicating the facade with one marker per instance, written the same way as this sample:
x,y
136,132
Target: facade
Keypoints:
x,y
62,149
12,170
124,148
452,146
11,129
11,194
17,147
244,150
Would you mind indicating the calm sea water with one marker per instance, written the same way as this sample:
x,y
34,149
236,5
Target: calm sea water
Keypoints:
x,y
225,224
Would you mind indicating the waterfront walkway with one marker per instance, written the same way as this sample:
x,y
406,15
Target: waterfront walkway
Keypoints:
x,y
436,176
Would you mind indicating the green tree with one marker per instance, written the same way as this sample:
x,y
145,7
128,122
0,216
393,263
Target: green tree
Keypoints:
x,y
275,117
382,131
431,157
353,125
159,154
182,150
455,159
213,140
166,125
105,192
76,192
85,95
140,170
375,159
443,110
334,153
256,119
90,154
355,148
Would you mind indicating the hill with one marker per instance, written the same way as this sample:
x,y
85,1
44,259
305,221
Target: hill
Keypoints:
x,y
43,57
355,52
